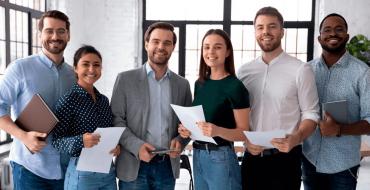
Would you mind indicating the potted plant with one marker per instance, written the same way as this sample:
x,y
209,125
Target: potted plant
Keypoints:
x,y
359,46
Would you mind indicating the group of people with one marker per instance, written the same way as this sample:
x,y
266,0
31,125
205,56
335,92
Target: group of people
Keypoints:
x,y
274,91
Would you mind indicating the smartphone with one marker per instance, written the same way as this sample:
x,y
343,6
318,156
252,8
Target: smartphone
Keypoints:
x,y
162,151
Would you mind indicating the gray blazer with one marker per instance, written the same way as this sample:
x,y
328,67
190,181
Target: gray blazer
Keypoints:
x,y
130,107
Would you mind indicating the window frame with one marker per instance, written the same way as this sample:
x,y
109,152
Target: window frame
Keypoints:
x,y
226,23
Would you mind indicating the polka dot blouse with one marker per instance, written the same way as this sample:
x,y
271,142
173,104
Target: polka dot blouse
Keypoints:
x,y
79,114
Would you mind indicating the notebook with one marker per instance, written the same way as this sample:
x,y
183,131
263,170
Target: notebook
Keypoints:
x,y
37,116
337,109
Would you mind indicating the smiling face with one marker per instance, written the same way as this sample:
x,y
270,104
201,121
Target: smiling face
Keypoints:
x,y
88,70
269,32
160,46
54,36
214,51
333,35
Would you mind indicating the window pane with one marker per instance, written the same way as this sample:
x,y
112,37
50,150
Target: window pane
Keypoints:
x,y
173,63
13,51
2,57
42,5
25,27
302,38
36,4
12,25
19,26
2,23
184,10
292,10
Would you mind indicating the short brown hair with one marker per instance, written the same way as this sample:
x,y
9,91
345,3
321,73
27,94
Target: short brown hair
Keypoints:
x,y
204,70
54,14
271,11
161,25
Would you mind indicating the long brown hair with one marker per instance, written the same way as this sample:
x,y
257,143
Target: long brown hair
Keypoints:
x,y
204,70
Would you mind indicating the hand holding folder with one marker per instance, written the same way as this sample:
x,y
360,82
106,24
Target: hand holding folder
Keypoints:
x,y
37,116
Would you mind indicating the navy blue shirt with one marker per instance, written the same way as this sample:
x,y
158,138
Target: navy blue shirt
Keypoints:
x,y
79,114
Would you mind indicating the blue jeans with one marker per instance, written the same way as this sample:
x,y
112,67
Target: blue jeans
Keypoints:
x,y
23,179
81,180
155,175
312,180
216,169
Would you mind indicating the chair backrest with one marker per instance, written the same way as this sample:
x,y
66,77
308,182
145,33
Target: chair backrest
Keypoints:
x,y
185,164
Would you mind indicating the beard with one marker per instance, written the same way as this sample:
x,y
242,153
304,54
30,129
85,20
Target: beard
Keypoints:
x,y
337,49
55,49
270,47
161,60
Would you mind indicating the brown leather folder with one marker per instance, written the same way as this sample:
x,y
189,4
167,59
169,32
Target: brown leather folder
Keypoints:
x,y
37,116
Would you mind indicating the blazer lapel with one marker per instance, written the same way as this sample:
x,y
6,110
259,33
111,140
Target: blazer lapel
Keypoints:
x,y
143,87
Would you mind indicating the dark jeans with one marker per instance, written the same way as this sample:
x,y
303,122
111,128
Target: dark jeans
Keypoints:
x,y
155,175
312,180
281,171
26,180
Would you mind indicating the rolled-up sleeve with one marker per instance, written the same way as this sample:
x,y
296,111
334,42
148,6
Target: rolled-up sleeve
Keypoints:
x,y
307,93
9,89
364,87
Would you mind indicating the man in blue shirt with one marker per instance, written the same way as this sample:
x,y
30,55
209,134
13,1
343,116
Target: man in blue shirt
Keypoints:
x,y
35,163
332,154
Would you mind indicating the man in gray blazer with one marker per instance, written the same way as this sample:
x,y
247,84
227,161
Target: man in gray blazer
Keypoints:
x,y
141,102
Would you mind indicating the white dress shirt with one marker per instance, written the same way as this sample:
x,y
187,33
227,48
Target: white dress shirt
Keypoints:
x,y
282,93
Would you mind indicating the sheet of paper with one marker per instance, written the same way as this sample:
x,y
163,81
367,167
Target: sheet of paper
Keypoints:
x,y
98,158
188,117
263,138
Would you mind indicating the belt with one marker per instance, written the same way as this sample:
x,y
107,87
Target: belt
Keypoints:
x,y
266,152
207,146
269,152
160,158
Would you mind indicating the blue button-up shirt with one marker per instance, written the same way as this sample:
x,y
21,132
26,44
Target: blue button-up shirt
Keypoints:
x,y
24,78
159,110
348,79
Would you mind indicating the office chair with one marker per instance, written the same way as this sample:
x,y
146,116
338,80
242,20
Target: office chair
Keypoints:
x,y
185,164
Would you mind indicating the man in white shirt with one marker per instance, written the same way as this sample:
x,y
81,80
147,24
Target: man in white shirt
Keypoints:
x,y
283,95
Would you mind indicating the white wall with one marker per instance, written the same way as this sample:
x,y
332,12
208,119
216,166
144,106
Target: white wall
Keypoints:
x,y
355,12
112,26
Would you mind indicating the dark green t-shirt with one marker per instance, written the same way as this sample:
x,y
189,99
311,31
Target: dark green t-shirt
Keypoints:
x,y
219,98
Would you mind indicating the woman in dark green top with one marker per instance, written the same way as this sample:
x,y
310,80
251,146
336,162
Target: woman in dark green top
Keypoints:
x,y
226,107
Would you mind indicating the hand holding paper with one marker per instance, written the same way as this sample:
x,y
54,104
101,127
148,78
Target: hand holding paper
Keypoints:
x,y
264,138
98,158
189,116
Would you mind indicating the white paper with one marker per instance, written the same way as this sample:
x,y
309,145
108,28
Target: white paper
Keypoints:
x,y
98,158
189,116
263,138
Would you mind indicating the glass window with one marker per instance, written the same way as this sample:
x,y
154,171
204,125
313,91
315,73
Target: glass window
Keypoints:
x,y
36,43
184,10
19,34
173,63
292,10
2,41
194,36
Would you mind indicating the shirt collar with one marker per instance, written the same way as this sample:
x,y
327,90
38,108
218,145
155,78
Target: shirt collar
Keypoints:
x,y
342,62
48,62
150,71
82,91
273,61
